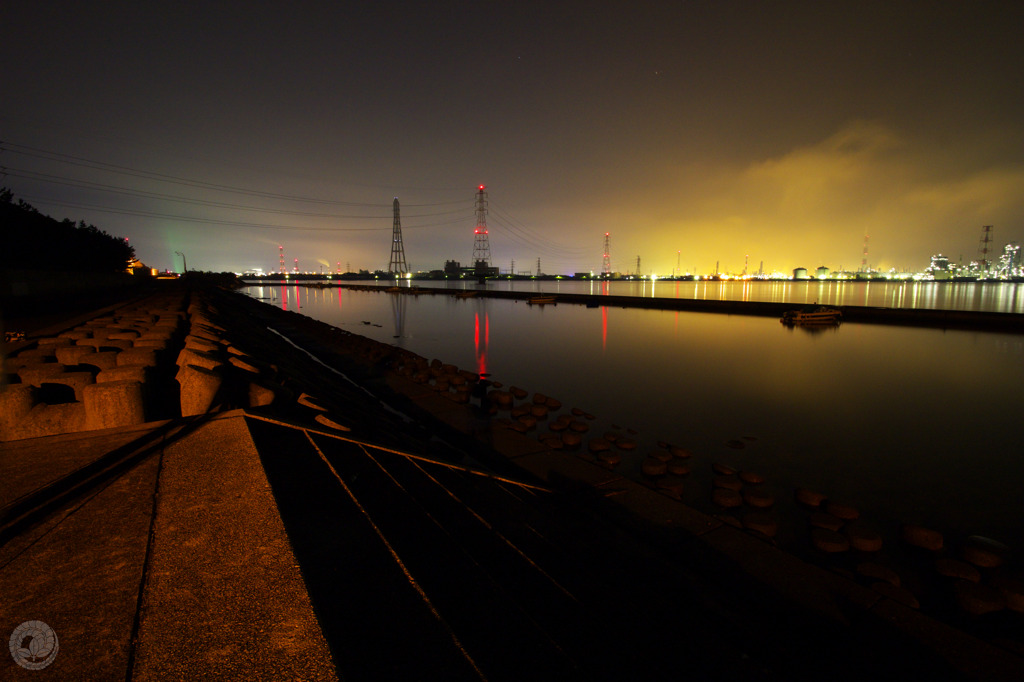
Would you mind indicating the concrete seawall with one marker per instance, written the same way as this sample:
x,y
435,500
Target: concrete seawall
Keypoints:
x,y
336,468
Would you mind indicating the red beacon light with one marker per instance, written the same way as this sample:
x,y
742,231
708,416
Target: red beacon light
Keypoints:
x,y
482,188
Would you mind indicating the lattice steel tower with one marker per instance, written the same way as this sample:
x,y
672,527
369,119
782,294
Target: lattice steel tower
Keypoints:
x,y
983,247
397,265
606,267
481,244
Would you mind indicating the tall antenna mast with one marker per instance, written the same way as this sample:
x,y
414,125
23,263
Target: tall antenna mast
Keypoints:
x,y
481,244
864,260
397,265
280,253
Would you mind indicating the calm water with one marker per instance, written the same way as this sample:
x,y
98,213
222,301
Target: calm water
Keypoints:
x,y
998,297
909,424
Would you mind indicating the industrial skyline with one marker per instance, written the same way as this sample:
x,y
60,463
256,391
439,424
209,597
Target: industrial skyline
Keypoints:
x,y
699,132
1004,262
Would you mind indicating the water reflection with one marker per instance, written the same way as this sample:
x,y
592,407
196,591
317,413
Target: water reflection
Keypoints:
x,y
481,342
604,327
898,419
398,305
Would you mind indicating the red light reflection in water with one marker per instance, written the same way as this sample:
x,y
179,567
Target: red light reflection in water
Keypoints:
x,y
481,354
284,298
298,301
604,327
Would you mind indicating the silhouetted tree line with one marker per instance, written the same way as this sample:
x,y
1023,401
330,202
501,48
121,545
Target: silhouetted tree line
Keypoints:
x,y
33,241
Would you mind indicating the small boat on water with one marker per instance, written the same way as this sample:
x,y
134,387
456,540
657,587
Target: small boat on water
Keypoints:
x,y
813,314
540,300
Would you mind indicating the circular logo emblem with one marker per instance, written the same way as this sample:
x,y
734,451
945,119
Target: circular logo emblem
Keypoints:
x,y
34,645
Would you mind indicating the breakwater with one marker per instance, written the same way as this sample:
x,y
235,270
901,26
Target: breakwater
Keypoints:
x,y
880,568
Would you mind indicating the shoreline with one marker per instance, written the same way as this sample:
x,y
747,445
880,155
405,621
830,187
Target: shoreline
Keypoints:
x,y
915,317
529,448
726,555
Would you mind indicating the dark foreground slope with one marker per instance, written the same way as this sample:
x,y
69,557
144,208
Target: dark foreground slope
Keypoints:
x,y
361,525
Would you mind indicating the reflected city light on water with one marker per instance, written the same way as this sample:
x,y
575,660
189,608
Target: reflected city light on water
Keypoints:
x,y
899,419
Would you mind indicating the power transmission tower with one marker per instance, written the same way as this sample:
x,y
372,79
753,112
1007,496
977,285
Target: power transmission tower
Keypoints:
x,y
538,266
481,244
986,239
606,267
397,265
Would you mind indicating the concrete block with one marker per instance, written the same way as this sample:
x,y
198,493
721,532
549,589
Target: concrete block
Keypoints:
x,y
260,395
170,325
198,358
164,333
199,388
74,355
77,381
205,333
38,373
55,341
138,356
243,365
140,373
112,344
45,354
114,403
103,360
16,401
198,343
13,364
154,343
138,318
50,420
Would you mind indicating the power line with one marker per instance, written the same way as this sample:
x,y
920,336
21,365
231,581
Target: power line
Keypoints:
x,y
174,179
212,221
127,191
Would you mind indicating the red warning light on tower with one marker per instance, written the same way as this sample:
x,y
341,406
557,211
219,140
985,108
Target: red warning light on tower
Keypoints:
x,y
481,188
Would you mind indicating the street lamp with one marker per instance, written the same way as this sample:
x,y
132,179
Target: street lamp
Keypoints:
x,y
183,261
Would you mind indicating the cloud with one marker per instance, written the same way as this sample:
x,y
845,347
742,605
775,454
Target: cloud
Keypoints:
x,y
813,205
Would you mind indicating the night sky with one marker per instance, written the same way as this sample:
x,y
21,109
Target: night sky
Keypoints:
x,y
693,132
